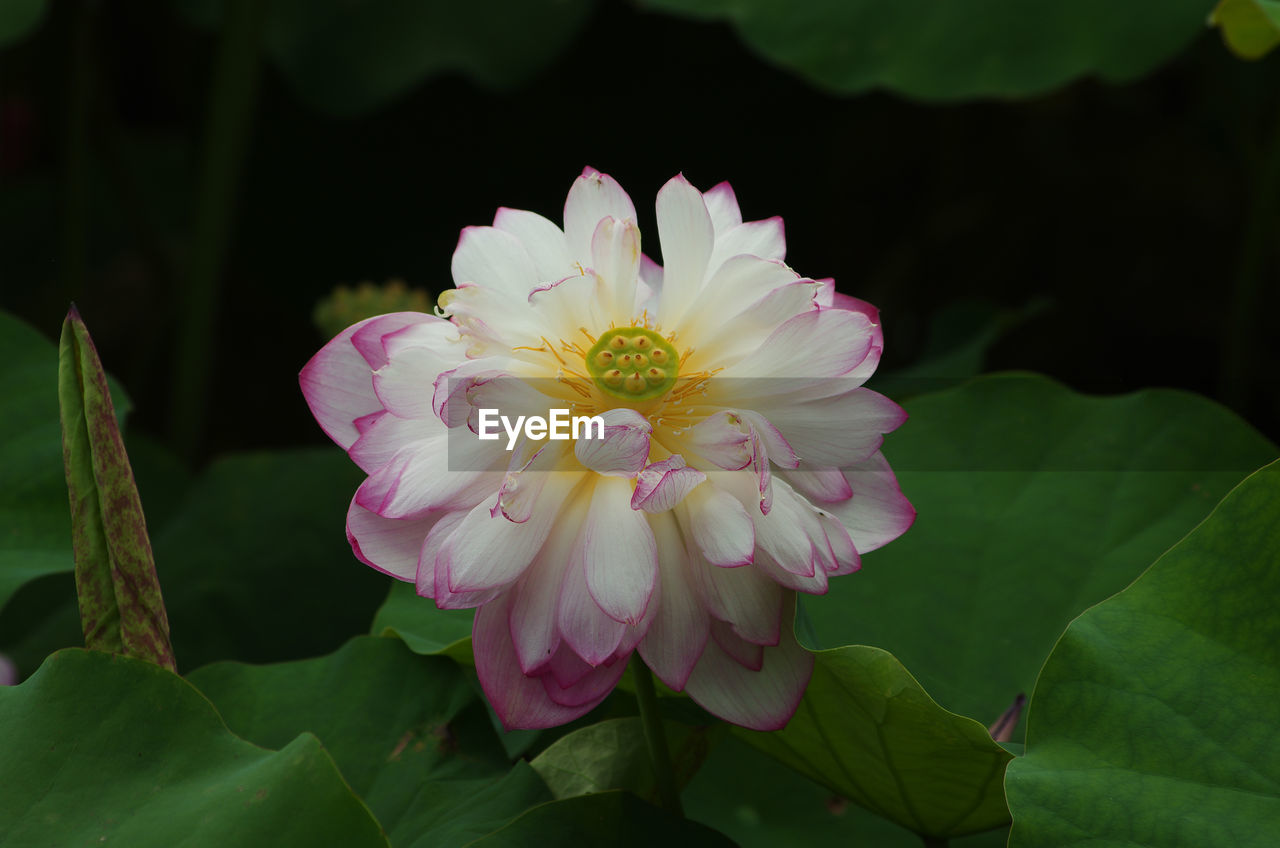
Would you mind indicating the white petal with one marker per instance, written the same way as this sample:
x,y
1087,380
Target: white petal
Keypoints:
x,y
745,598
615,258
765,239
592,198
722,206
541,239
535,631
494,259
720,526
392,546
585,627
487,551
687,237
837,431
623,450
618,552
760,700
878,512
678,632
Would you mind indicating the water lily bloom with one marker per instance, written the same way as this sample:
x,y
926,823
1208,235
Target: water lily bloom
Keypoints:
x,y
735,461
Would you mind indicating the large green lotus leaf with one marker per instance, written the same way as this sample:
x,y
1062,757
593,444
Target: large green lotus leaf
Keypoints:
x,y
407,732
347,57
104,749
254,564
761,804
1156,720
35,520
612,754
613,819
939,49
1034,502
868,732
423,627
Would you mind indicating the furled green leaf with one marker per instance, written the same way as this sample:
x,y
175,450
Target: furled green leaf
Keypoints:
x,y
941,49
1251,28
407,732
612,754
105,749
423,627
121,607
1034,503
352,56
18,18
1154,721
603,820
35,528
761,804
867,731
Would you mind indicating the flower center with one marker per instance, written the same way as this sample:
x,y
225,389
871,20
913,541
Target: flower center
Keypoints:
x,y
633,363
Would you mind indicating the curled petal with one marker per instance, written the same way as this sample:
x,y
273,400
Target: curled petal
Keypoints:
x,y
722,439
662,485
623,450
338,385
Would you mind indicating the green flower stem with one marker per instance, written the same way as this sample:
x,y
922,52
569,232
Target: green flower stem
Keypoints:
x,y
655,737
232,96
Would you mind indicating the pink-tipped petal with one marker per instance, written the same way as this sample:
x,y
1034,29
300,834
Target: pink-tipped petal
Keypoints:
x,y
618,552
430,579
429,331
590,632
836,431
820,485
680,626
392,546
766,239
662,485
878,512
338,385
590,687
760,700
624,449
722,206
808,349
487,552
593,197
521,702
535,632
745,598
746,654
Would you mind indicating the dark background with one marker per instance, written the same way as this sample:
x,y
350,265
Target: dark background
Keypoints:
x,y
1123,211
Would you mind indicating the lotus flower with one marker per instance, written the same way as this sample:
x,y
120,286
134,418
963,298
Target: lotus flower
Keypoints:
x,y
736,461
